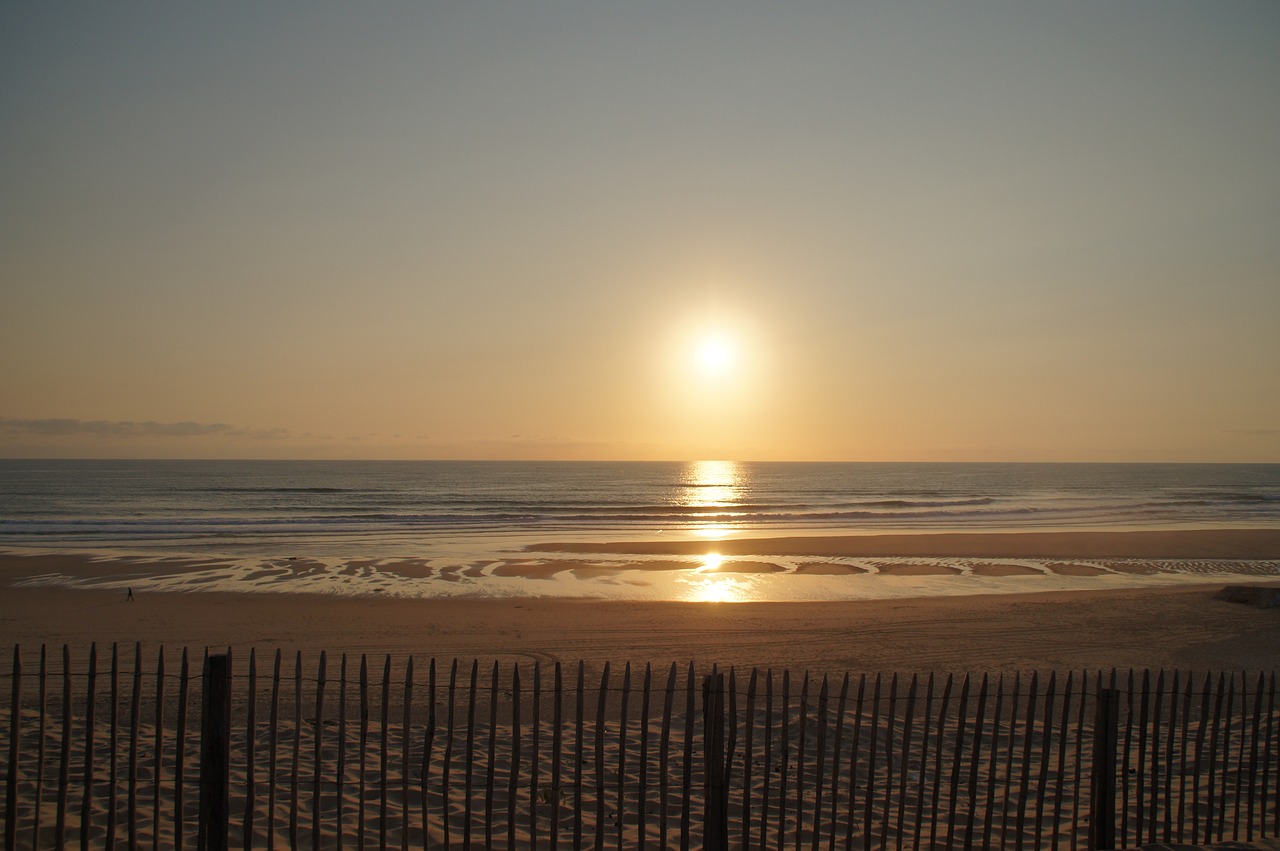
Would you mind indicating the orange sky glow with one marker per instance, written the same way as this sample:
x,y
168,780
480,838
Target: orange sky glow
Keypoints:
x,y
926,231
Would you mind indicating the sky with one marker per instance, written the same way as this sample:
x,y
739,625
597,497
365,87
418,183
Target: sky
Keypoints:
x,y
939,231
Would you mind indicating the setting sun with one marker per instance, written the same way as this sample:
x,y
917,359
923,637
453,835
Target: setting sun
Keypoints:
x,y
715,356
712,372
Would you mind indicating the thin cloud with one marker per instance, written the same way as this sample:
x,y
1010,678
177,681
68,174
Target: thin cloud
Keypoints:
x,y
125,429
535,440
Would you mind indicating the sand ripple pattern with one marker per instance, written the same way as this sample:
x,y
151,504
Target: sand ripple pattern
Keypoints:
x,y
634,577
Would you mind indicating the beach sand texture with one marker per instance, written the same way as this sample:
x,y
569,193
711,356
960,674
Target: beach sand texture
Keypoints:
x,y
889,761
806,568
919,762
1158,628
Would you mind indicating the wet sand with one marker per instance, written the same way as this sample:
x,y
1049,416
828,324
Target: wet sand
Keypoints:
x,y
1158,628
1175,625
1167,544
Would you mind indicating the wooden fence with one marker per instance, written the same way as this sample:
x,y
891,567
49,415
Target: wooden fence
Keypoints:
x,y
348,751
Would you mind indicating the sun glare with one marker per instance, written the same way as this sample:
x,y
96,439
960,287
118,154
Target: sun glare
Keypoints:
x,y
710,561
716,591
715,356
710,372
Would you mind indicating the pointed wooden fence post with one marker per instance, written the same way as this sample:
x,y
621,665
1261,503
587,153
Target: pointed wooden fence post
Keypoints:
x,y
215,754
716,827
1102,798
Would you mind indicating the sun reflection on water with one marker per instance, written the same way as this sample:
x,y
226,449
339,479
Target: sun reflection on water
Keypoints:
x,y
711,489
719,590
714,589
710,484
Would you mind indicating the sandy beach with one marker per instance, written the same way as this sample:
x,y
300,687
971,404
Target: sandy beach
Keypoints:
x,y
1159,626
1162,627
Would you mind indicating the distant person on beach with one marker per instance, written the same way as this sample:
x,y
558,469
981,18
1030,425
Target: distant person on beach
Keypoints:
x,y
130,597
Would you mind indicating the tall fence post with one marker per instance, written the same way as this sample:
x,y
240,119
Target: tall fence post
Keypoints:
x,y
1239,731
215,754
716,828
1102,793
11,776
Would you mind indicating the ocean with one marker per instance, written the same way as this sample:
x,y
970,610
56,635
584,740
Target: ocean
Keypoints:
x,y
378,509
